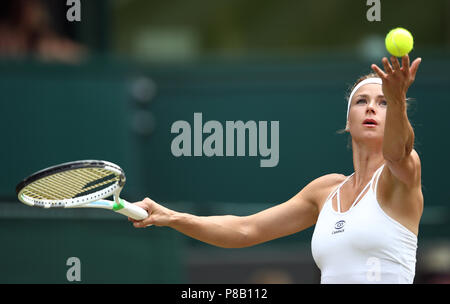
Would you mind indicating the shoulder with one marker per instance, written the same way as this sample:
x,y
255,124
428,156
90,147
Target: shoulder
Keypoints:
x,y
327,180
321,187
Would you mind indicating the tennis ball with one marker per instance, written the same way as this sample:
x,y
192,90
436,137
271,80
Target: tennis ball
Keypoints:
x,y
399,42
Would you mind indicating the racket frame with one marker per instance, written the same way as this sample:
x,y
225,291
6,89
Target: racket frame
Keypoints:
x,y
93,200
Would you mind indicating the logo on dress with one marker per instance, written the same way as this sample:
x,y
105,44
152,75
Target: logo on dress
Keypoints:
x,y
339,227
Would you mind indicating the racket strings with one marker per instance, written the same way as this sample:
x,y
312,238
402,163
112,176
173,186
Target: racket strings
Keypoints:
x,y
58,186
70,184
62,185
41,190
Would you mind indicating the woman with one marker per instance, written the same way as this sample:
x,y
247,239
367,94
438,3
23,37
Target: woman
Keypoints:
x,y
366,224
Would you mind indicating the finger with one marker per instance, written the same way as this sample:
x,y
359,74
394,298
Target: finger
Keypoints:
x,y
405,63
386,65
138,225
132,220
144,223
379,71
141,224
415,66
143,205
395,63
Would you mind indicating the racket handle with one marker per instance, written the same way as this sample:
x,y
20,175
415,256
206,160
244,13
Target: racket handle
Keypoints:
x,y
130,210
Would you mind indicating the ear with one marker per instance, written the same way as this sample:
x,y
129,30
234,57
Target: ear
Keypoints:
x,y
347,127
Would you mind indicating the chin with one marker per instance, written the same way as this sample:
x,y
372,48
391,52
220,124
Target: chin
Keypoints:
x,y
368,135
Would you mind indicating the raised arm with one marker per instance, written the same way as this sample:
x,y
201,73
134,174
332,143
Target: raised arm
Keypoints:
x,y
398,142
229,231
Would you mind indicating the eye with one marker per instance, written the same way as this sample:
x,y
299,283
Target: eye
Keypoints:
x,y
360,101
383,103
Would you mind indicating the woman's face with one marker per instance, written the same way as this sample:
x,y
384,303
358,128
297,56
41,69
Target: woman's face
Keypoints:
x,y
367,112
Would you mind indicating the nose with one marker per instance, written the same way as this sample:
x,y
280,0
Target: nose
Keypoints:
x,y
371,107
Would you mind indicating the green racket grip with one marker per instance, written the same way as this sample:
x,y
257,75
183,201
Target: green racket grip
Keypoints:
x,y
130,210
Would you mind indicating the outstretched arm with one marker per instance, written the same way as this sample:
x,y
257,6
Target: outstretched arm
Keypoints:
x,y
229,231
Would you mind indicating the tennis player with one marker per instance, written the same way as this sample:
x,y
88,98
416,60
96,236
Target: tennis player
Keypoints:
x,y
366,224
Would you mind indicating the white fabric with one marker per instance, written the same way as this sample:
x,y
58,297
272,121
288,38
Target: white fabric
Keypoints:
x,y
364,82
363,244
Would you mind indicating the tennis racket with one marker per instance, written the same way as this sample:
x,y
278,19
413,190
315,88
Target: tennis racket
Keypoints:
x,y
78,184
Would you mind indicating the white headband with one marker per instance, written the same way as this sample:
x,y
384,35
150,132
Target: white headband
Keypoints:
x,y
364,82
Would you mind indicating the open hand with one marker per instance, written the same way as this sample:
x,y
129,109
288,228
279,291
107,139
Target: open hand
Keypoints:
x,y
396,79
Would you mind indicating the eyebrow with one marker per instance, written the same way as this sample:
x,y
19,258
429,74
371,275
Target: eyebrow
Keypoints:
x,y
365,95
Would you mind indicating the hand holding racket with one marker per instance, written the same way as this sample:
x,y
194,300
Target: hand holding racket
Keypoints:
x,y
160,215
78,184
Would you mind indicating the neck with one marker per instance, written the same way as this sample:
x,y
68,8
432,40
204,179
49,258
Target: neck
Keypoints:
x,y
366,160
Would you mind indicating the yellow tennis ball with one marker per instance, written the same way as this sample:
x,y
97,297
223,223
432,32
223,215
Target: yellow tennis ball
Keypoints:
x,y
399,42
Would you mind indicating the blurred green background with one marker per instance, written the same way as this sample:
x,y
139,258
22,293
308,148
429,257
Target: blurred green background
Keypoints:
x,y
111,85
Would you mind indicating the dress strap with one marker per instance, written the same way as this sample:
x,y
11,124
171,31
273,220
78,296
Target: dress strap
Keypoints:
x,y
337,191
361,193
376,177
331,195
369,184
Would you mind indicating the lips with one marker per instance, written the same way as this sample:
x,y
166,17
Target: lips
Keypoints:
x,y
370,122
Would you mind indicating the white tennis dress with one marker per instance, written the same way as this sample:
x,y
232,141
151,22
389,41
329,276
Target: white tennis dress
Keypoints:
x,y
363,244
